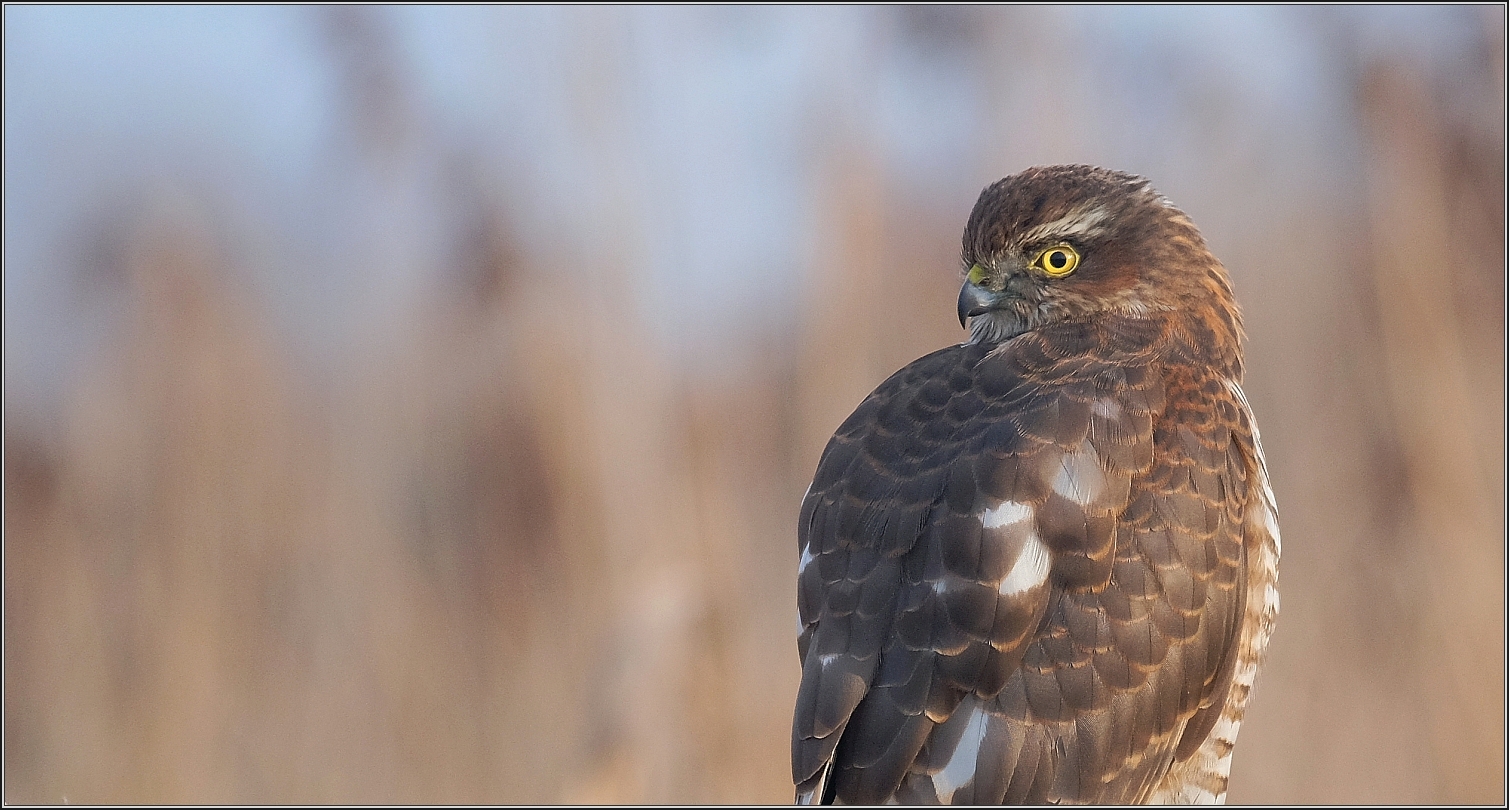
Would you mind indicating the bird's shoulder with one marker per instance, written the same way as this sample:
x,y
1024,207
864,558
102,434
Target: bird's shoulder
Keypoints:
x,y
1009,399
963,525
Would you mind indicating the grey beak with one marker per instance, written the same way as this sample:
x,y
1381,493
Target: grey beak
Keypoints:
x,y
973,300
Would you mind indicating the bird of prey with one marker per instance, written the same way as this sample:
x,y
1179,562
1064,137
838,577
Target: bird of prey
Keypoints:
x,y
1041,566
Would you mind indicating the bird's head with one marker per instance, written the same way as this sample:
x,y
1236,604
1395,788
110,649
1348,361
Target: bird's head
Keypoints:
x,y
1065,243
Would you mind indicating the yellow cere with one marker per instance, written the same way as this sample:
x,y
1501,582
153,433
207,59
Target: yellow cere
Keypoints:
x,y
977,275
1057,261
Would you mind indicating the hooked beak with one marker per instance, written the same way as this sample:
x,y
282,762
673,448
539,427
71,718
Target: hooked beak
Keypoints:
x,y
974,300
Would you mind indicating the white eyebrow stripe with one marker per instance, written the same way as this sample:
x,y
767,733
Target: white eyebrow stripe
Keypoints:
x,y
1084,222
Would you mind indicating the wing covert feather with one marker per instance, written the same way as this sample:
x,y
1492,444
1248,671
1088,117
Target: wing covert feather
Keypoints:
x,y
1021,574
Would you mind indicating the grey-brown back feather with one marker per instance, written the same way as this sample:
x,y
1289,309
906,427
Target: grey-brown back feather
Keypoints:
x,y
934,668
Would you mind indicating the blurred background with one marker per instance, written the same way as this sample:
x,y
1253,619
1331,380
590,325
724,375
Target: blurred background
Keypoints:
x,y
413,404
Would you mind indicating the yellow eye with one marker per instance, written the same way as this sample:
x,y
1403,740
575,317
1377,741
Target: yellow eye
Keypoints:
x,y
977,275
1057,261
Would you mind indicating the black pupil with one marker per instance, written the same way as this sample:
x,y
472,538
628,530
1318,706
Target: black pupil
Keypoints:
x,y
1058,259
